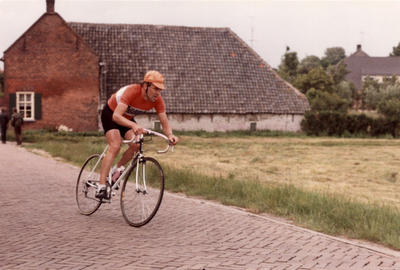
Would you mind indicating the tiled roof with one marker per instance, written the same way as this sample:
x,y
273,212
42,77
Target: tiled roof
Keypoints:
x,y
359,53
206,70
382,66
359,64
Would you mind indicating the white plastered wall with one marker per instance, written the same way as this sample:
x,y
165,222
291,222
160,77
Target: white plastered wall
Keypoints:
x,y
226,122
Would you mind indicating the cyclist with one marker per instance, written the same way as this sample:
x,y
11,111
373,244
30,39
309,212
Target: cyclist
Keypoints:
x,y
118,121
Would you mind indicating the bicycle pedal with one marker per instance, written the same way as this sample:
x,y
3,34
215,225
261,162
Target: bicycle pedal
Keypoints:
x,y
105,201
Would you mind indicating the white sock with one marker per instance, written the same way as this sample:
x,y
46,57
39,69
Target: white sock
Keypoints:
x,y
99,187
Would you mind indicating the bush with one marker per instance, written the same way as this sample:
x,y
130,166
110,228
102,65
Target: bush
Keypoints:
x,y
342,124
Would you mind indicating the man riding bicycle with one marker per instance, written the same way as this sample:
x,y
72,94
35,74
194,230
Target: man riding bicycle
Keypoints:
x,y
118,122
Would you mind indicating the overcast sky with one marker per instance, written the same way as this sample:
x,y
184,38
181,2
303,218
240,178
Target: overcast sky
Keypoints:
x,y
307,27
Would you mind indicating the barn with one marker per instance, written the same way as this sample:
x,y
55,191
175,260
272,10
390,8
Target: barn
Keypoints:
x,y
62,73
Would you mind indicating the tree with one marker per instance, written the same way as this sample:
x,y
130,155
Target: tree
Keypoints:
x,y
396,51
391,110
288,67
308,63
374,94
370,82
372,97
317,78
338,72
346,90
333,56
389,81
325,101
369,88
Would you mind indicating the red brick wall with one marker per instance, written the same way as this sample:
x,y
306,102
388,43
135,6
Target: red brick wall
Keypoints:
x,y
52,60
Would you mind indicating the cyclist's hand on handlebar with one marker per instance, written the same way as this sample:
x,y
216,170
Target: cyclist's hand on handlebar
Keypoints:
x,y
138,130
173,140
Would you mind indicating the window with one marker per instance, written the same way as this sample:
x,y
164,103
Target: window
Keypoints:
x,y
364,78
25,105
388,79
35,102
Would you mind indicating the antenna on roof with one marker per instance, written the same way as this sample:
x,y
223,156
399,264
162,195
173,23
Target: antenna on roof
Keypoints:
x,y
252,32
362,37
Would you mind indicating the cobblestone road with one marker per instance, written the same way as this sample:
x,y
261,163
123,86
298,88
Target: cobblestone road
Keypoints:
x,y
41,228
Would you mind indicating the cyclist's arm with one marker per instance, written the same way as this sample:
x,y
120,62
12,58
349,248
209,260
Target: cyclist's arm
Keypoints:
x,y
167,128
121,120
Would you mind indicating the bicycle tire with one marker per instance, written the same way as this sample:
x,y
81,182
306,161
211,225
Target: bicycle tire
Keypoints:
x,y
88,179
137,205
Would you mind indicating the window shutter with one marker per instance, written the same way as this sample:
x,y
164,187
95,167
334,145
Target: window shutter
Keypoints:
x,y
38,106
12,102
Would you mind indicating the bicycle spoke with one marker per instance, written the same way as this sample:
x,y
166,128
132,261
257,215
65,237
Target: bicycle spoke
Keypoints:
x,y
86,186
142,192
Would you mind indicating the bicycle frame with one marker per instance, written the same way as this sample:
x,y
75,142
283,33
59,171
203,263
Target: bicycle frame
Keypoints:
x,y
94,167
139,201
136,159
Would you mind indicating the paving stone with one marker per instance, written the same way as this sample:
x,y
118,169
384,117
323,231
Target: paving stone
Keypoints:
x,y
41,228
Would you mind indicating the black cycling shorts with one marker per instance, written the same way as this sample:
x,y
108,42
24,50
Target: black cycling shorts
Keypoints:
x,y
108,123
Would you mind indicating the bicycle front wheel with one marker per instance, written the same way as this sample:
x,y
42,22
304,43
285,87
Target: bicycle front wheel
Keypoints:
x,y
86,186
142,192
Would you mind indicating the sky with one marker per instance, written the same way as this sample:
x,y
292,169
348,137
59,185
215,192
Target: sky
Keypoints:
x,y
267,26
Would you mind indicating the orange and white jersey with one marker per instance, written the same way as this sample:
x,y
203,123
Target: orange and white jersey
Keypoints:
x,y
131,95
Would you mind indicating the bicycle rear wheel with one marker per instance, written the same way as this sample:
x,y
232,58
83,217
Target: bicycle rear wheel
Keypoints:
x,y
140,200
86,186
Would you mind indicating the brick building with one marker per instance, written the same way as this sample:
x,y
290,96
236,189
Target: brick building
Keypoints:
x,y
52,76
214,81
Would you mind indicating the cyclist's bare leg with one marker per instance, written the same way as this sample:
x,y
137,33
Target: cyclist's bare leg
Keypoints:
x,y
130,152
114,140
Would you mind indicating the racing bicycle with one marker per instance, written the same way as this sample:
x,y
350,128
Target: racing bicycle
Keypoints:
x,y
141,183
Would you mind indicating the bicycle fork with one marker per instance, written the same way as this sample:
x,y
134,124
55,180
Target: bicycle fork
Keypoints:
x,y
138,190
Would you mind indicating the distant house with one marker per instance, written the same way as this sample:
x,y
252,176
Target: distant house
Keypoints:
x,y
362,65
214,81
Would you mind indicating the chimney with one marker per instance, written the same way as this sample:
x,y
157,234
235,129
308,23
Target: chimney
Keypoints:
x,y
358,48
50,6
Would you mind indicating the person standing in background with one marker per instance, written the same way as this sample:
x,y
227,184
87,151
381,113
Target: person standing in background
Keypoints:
x,y
17,120
3,124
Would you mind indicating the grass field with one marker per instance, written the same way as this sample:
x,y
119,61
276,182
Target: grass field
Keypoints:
x,y
366,169
346,187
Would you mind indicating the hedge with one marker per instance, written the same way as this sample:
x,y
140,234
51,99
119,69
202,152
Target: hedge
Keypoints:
x,y
341,124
